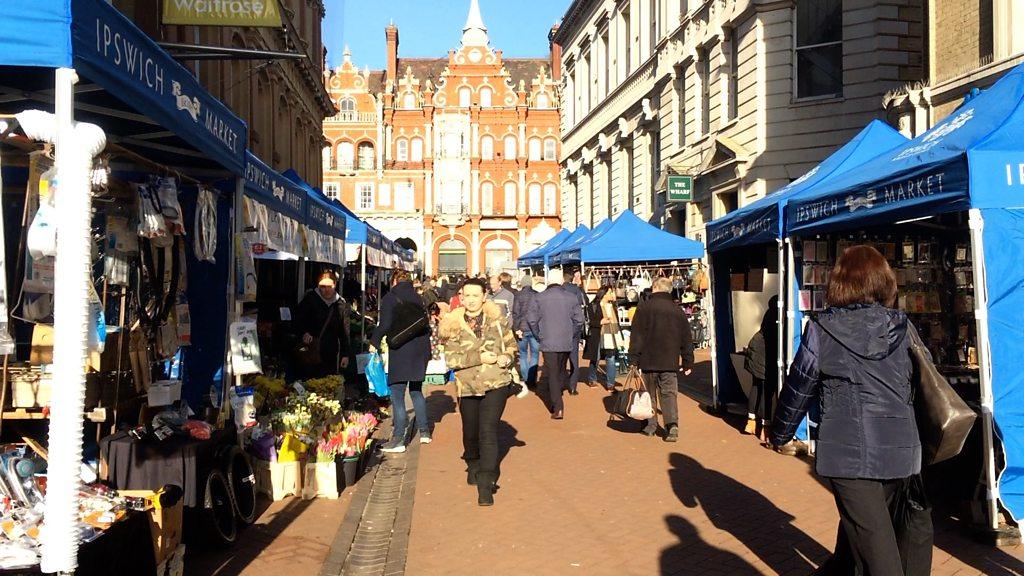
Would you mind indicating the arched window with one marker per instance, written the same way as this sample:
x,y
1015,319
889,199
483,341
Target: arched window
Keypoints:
x,y
510,148
328,160
348,108
486,148
533,197
543,100
346,156
534,149
550,197
487,199
416,155
366,156
402,150
485,97
498,256
409,101
465,96
510,199
550,150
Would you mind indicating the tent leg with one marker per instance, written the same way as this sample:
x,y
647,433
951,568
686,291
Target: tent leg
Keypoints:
x,y
792,298
362,293
712,333
781,324
300,280
977,225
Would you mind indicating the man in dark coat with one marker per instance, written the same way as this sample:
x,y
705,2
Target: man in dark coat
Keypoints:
x,y
407,365
529,347
575,288
556,319
322,316
659,340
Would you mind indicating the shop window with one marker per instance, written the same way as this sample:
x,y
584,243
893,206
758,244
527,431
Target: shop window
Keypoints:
x,y
364,195
402,150
510,148
487,199
550,199
819,48
534,149
486,148
366,156
510,199
485,97
416,154
550,150
451,258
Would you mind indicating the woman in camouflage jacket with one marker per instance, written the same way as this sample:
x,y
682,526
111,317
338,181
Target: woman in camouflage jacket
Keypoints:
x,y
480,346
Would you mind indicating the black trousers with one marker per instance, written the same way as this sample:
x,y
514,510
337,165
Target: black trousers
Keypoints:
x,y
866,544
480,417
558,377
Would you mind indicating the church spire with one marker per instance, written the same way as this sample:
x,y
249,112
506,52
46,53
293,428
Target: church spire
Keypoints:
x,y
474,33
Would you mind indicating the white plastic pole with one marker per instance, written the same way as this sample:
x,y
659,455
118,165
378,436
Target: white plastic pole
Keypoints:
x,y
75,147
712,333
362,292
790,312
780,353
977,224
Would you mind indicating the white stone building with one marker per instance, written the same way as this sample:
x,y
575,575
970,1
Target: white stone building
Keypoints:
x,y
744,95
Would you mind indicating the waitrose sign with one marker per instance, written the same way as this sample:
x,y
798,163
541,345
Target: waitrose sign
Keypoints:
x,y
265,13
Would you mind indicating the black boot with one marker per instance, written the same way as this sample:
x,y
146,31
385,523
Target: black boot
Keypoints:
x,y
472,466
485,494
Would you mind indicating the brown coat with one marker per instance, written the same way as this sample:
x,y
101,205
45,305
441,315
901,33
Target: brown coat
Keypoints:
x,y
462,349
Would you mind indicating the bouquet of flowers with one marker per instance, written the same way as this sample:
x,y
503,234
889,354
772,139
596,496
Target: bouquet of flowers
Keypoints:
x,y
323,409
328,386
267,390
328,448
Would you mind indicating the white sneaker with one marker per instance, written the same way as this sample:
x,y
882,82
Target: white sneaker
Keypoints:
x,y
425,439
393,447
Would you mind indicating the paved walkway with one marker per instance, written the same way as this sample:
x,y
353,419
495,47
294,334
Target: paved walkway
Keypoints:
x,y
585,496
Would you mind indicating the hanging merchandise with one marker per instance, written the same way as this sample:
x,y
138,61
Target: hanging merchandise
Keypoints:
x,y
122,242
36,299
245,270
205,241
42,232
97,322
152,224
6,342
167,193
245,349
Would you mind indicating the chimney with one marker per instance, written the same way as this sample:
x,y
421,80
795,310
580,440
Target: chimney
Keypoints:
x,y
556,55
391,33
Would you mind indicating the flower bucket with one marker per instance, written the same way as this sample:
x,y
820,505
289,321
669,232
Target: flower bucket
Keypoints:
x,y
348,470
320,480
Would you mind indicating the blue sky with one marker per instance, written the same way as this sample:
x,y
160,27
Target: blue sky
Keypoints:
x,y
429,28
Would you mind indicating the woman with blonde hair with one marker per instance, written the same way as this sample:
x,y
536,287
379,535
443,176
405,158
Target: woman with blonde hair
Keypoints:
x,y
480,347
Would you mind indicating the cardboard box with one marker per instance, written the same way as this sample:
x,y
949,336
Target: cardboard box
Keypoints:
x,y
174,565
30,389
278,479
165,524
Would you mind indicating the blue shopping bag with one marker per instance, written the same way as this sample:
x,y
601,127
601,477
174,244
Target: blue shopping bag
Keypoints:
x,y
376,376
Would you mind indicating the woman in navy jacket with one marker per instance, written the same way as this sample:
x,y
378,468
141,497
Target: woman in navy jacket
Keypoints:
x,y
854,361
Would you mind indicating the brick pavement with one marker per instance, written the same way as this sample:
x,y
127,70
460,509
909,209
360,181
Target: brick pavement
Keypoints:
x,y
582,496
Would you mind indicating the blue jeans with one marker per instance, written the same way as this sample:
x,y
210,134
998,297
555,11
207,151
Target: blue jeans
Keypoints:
x,y
610,369
529,356
419,406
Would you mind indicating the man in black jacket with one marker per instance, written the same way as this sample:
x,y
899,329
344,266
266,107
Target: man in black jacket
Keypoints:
x,y
660,337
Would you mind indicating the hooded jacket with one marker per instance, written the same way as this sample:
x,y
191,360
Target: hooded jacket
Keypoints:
x,y
855,362
462,349
408,363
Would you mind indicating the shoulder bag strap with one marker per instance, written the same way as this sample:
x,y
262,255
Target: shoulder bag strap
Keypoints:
x,y
330,311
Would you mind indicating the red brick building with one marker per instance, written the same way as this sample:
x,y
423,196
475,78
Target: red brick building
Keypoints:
x,y
457,154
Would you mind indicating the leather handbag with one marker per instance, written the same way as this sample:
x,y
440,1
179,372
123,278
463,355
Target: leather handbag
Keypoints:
x,y
309,354
631,400
943,418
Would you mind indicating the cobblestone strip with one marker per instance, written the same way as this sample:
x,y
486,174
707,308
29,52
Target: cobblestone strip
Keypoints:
x,y
373,539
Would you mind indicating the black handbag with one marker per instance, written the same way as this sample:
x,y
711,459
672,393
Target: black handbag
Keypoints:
x,y
410,320
943,418
912,520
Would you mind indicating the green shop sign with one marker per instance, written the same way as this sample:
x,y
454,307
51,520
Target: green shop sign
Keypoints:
x,y
680,189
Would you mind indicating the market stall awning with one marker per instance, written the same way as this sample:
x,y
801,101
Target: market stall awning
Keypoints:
x,y
275,207
568,252
630,239
144,100
326,224
578,234
970,159
535,257
760,222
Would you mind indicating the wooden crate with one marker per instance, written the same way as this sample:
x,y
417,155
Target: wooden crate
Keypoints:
x,y
278,479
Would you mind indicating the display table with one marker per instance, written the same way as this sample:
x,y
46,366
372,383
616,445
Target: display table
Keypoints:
x,y
129,464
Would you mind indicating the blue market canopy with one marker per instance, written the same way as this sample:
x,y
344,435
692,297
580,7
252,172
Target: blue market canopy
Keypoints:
x,y
275,207
760,222
326,224
630,239
578,234
970,159
143,99
569,251
535,257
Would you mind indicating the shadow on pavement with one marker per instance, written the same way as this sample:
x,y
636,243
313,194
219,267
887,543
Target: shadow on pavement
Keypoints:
x,y
206,561
439,405
507,440
746,514
678,560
